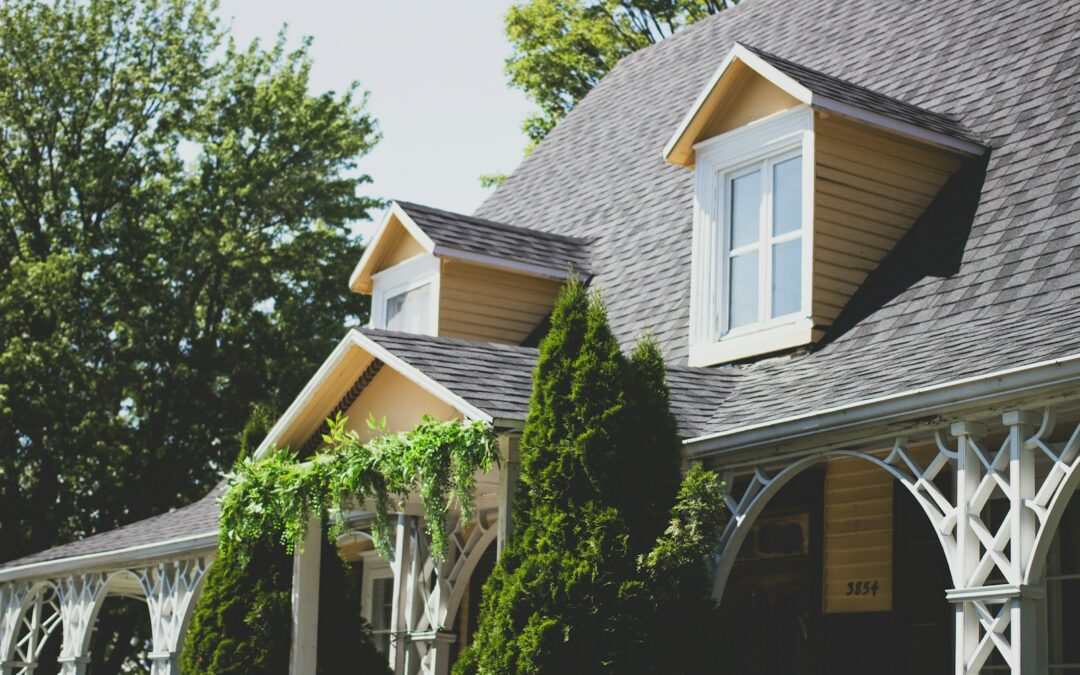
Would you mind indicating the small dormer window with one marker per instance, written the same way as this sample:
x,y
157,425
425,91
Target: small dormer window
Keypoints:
x,y
763,243
752,223
409,310
405,296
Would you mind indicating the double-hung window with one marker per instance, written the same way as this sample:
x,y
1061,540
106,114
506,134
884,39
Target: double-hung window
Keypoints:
x,y
751,251
763,243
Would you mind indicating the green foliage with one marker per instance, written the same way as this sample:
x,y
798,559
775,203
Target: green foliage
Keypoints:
x,y
276,496
491,180
174,227
344,635
242,623
598,577
563,47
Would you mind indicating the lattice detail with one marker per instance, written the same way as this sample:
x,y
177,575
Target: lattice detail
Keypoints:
x,y
79,597
36,619
430,592
13,598
993,627
170,589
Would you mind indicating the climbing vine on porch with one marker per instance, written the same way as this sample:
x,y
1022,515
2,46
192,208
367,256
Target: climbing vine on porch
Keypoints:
x,y
275,497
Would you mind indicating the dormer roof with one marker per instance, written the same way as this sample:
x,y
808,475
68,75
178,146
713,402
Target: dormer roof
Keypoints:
x,y
459,237
820,91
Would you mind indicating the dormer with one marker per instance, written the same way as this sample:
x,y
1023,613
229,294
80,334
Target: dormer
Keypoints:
x,y
803,183
434,272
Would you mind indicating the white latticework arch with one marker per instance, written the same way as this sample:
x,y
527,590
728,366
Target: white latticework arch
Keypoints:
x,y
991,617
31,619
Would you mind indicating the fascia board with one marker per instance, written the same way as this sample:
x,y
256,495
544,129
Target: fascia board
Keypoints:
x,y
105,559
999,386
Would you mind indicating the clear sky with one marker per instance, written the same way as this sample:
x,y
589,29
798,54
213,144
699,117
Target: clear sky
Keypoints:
x,y
435,72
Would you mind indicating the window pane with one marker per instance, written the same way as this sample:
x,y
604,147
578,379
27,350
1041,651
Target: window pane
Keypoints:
x,y
787,196
382,607
743,290
745,209
787,277
409,311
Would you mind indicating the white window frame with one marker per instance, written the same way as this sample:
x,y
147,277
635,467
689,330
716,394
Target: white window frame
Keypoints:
x,y
719,159
402,278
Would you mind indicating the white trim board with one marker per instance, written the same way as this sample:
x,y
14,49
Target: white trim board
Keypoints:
x,y
119,557
966,393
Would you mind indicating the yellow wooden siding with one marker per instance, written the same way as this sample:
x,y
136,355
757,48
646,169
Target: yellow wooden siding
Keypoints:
x,y
397,400
870,188
751,98
482,303
858,537
402,247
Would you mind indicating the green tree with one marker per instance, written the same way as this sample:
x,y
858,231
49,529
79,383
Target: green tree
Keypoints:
x,y
563,47
605,539
175,218
242,623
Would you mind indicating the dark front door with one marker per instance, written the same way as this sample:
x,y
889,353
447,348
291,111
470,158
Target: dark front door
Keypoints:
x,y
772,602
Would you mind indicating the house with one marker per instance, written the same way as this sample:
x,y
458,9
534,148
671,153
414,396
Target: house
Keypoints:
x,y
854,229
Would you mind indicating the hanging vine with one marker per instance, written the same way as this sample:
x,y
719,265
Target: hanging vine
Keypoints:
x,y
276,496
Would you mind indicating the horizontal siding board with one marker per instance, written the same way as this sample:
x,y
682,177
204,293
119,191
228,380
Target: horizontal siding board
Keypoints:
x,y
858,536
481,303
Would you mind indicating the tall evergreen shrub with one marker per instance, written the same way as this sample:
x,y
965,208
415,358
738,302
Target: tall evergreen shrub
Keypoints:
x,y
242,624
608,549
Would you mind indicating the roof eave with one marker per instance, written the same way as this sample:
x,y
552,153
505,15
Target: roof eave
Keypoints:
x,y
354,339
879,417
205,542
519,266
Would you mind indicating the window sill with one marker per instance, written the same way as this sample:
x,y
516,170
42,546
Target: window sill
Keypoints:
x,y
756,343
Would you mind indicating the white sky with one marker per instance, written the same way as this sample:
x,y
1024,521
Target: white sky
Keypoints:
x,y
435,72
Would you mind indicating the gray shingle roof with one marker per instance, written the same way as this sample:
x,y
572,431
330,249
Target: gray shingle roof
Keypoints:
x,y
867,99
486,237
195,519
497,378
1003,291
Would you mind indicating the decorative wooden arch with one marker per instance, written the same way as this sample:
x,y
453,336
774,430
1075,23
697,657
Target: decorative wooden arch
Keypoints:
x,y
991,617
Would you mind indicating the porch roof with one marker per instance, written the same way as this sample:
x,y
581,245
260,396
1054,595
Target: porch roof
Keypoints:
x,y
494,378
190,528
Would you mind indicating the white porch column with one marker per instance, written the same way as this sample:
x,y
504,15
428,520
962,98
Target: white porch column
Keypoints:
x,y
968,476
305,602
509,475
79,598
996,617
1024,527
170,589
436,647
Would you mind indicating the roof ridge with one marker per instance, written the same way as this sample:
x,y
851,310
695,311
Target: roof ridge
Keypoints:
x,y
578,241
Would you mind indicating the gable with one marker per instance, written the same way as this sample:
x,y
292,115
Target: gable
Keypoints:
x,y
393,398
743,97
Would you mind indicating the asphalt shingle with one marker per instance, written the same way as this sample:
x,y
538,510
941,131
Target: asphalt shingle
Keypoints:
x,y
485,237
